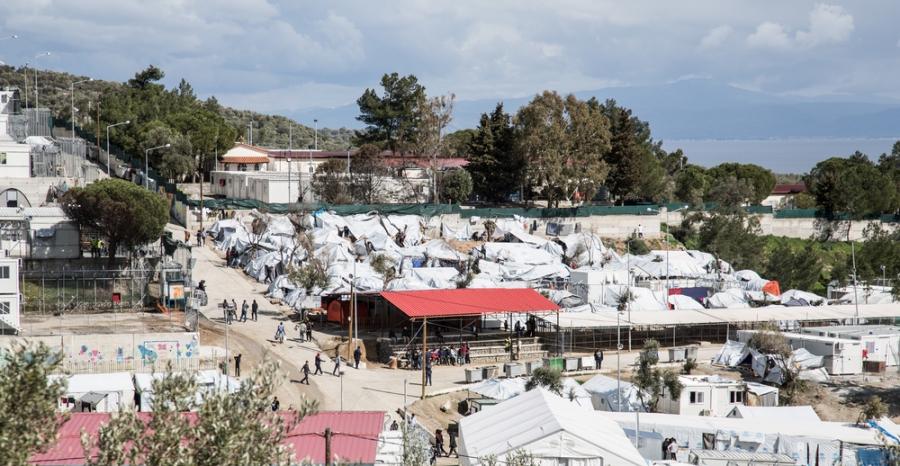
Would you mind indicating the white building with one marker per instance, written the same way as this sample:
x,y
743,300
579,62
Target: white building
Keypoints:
x,y
102,393
10,295
880,342
15,158
244,157
840,356
549,427
708,395
38,233
208,381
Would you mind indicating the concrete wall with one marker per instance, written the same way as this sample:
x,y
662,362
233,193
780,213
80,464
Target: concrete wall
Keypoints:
x,y
141,352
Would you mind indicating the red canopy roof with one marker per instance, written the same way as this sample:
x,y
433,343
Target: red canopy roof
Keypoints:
x,y
354,439
468,301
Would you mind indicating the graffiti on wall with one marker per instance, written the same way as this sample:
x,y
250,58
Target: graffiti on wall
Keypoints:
x,y
153,350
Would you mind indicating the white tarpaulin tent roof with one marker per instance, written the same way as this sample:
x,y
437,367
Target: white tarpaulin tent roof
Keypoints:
x,y
548,427
499,389
603,390
776,414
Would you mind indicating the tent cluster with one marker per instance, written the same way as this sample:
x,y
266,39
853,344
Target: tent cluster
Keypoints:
x,y
375,252
770,367
416,255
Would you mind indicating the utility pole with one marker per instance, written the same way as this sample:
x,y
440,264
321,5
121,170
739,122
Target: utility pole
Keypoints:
x,y
316,135
328,446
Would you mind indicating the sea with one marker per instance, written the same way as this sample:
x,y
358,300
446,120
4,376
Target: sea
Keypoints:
x,y
778,155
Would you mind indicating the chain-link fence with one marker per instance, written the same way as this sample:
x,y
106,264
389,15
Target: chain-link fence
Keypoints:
x,y
52,292
39,122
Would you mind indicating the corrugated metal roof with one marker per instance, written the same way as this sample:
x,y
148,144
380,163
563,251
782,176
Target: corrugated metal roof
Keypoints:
x,y
245,159
468,301
354,440
354,436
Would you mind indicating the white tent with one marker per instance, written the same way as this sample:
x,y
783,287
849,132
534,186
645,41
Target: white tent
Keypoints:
x,y
603,394
776,414
550,428
730,298
499,389
681,302
574,392
801,298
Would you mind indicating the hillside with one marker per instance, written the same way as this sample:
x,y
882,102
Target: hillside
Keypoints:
x,y
269,130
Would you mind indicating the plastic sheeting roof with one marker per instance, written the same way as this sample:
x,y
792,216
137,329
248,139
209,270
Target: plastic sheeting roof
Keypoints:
x,y
467,301
607,387
499,389
549,427
776,414
719,316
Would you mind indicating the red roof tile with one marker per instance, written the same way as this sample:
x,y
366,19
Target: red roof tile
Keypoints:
x,y
246,159
789,188
354,440
468,301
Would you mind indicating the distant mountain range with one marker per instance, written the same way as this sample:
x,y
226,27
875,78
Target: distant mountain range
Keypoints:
x,y
700,109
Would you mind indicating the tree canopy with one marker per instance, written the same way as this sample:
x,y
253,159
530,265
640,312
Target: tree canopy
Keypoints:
x,y
127,215
28,401
758,180
496,166
563,142
392,119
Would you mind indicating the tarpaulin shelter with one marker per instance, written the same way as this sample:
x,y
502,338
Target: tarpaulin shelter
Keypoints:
x,y
468,302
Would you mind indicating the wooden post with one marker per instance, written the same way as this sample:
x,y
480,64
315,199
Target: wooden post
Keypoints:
x,y
424,351
328,446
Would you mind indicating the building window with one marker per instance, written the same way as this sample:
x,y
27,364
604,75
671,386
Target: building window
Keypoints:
x,y
737,397
2,158
4,272
696,397
4,307
242,167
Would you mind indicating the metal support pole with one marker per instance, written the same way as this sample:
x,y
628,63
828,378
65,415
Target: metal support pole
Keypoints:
x,y
424,351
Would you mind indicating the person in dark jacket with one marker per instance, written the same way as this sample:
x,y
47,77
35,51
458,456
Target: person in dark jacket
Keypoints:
x,y
357,355
305,370
254,310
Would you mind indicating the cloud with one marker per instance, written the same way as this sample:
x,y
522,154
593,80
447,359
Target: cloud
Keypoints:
x,y
769,35
716,37
828,24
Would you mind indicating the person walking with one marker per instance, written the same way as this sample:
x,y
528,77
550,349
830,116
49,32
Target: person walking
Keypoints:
x,y
318,362
232,311
337,366
357,355
598,359
199,237
279,332
452,435
225,310
275,404
439,443
237,365
244,308
309,326
428,373
302,331
254,310
305,373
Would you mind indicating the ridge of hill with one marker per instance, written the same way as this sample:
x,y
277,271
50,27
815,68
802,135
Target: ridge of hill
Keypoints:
x,y
54,89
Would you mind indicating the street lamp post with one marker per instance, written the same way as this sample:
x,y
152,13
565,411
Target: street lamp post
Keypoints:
x,y
289,182
147,164
316,135
36,101
73,103
107,141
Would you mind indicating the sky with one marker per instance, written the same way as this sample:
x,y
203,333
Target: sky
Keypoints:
x,y
284,56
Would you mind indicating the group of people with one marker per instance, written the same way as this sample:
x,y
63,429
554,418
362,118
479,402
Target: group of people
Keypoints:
x,y
438,449
97,247
230,311
669,448
444,356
